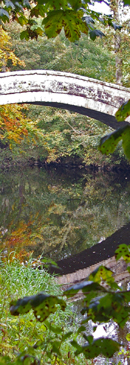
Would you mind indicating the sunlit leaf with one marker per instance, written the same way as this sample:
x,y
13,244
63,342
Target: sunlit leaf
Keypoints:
x,y
22,20
110,141
53,23
73,25
124,252
128,337
105,274
123,112
5,360
24,35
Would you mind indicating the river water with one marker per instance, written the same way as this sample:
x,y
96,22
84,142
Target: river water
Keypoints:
x,y
59,212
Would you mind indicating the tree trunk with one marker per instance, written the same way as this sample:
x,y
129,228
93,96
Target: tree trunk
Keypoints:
x,y
115,9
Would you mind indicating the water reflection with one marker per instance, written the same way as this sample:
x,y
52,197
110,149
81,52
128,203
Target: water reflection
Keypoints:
x,y
59,213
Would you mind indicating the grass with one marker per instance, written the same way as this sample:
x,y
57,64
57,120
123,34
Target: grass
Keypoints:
x,y
23,340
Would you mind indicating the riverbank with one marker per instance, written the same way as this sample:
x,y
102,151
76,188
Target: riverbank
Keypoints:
x,y
9,159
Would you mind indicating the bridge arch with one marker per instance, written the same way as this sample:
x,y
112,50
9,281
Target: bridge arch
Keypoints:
x,y
90,97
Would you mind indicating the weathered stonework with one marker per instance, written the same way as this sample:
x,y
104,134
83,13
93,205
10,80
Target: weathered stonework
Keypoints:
x,y
120,273
94,98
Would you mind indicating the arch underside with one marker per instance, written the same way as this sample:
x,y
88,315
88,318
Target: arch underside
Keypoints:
x,y
109,120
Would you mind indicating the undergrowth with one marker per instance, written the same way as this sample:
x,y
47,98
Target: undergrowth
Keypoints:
x,y
19,335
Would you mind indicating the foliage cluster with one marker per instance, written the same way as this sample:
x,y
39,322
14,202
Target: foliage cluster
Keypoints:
x,y
53,334
50,17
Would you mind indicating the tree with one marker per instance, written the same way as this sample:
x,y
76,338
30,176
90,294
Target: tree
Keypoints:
x,y
51,16
14,125
114,5
12,121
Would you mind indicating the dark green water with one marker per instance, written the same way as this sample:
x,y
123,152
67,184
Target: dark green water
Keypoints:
x,y
57,212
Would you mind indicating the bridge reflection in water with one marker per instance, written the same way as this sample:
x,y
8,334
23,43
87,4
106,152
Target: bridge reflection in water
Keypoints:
x,y
76,268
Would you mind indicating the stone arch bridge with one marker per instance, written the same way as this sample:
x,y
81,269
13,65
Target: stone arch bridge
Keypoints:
x,y
93,98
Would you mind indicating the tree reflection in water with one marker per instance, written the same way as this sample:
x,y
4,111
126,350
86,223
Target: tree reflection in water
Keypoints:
x,y
58,213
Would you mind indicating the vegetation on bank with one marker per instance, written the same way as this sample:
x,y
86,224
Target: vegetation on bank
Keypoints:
x,y
38,326
20,336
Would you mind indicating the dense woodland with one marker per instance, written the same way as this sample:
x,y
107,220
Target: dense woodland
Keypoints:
x,y
48,134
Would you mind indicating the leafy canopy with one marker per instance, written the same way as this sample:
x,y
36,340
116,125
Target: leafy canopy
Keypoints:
x,y
73,15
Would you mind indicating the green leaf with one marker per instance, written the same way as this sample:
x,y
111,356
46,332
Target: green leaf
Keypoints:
x,y
126,2
42,304
39,9
128,337
114,25
22,20
71,21
126,141
56,346
53,23
110,141
81,329
5,360
123,112
96,33
102,346
26,4
4,15
124,252
89,339
54,329
24,35
86,287
105,274
68,334
9,4
76,345
110,306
